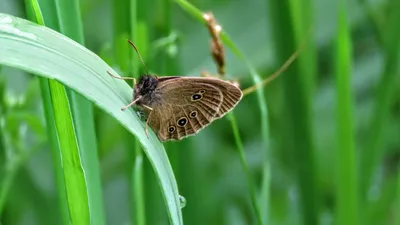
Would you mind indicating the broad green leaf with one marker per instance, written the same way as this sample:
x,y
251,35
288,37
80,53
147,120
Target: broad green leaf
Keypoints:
x,y
40,50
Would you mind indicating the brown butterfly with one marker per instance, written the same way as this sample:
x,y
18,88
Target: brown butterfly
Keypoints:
x,y
178,107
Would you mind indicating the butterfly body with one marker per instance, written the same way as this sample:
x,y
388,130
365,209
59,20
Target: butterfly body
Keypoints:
x,y
147,89
179,107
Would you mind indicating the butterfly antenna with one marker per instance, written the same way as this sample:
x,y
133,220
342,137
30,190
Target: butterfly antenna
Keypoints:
x,y
281,69
141,59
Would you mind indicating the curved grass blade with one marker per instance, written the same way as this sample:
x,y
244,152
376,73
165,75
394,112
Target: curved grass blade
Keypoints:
x,y
40,50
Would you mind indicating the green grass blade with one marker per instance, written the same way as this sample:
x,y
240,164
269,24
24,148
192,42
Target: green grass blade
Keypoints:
x,y
346,180
197,14
121,27
55,148
2,140
65,136
298,122
42,51
71,161
69,18
33,7
85,136
384,209
48,12
164,59
262,209
245,167
385,95
397,207
82,111
17,162
137,187
123,54
303,21
263,216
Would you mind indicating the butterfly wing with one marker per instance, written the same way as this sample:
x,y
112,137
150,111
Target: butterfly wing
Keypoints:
x,y
190,104
230,93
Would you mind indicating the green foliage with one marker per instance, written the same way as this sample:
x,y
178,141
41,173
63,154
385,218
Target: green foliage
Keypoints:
x,y
318,145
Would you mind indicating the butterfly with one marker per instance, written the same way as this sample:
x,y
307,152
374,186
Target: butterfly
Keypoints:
x,y
178,107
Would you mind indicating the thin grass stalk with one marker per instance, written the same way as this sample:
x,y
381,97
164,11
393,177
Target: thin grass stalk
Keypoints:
x,y
82,110
245,167
346,179
197,14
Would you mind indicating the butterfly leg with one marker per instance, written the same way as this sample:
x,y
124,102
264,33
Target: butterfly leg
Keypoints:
x,y
132,103
123,78
147,120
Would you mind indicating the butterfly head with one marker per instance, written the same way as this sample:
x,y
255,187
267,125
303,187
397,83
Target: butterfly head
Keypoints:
x,y
147,84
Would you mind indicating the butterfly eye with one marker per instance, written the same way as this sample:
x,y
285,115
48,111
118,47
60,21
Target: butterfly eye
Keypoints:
x,y
171,129
202,91
193,114
182,122
196,97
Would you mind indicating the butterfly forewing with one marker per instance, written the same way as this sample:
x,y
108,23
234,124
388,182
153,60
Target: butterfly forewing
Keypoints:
x,y
194,105
190,104
186,109
231,94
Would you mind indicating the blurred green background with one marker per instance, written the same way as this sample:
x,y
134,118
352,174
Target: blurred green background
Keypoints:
x,y
328,155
